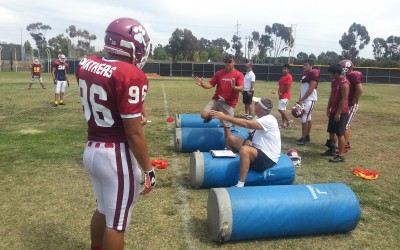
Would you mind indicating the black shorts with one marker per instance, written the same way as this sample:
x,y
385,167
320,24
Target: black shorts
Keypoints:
x,y
337,128
247,98
261,162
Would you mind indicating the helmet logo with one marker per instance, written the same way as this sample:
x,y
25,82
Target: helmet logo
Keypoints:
x,y
139,34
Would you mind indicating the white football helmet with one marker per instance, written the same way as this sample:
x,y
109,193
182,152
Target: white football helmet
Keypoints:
x,y
294,154
347,66
36,60
61,58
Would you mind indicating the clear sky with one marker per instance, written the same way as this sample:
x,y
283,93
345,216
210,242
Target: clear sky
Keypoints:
x,y
319,25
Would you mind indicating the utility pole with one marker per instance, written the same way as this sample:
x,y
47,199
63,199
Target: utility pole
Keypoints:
x,y
245,47
237,28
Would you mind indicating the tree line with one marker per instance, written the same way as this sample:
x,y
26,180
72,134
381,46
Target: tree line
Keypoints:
x,y
266,47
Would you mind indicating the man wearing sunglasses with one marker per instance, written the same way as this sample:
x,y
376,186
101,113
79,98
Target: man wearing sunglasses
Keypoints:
x,y
228,83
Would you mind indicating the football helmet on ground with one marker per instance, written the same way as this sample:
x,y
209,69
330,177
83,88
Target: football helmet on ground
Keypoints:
x,y
295,156
347,66
298,110
128,37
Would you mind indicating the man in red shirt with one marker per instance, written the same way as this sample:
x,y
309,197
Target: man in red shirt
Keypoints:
x,y
284,87
338,112
36,73
229,83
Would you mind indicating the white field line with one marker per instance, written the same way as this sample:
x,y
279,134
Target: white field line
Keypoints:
x,y
184,212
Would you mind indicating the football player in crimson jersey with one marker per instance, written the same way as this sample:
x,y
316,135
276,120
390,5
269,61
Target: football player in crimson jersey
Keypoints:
x,y
113,90
337,110
36,73
60,78
355,78
229,83
308,96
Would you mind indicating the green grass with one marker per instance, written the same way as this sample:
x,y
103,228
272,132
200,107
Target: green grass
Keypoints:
x,y
46,196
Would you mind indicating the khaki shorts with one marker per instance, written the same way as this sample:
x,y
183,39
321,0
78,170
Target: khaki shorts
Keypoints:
x,y
223,107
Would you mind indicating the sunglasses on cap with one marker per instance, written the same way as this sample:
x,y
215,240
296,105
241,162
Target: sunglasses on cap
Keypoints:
x,y
227,61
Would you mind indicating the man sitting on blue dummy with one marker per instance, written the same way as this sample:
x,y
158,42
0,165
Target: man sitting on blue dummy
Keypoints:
x,y
261,150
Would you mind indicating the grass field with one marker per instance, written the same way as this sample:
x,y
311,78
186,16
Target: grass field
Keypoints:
x,y
46,196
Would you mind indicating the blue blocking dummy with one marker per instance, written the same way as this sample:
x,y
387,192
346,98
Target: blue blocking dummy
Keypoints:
x,y
207,171
278,211
194,121
188,140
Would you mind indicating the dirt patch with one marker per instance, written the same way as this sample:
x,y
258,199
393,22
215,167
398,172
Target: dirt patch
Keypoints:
x,y
153,75
30,131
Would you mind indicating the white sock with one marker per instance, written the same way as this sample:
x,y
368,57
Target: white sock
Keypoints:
x,y
240,184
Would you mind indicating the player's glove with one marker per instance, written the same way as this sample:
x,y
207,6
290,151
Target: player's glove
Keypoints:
x,y
149,181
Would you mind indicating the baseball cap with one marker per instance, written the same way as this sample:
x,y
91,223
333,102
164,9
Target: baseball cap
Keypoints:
x,y
249,64
264,102
229,57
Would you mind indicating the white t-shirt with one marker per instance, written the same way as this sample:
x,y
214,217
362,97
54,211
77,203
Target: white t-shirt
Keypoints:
x,y
248,79
269,139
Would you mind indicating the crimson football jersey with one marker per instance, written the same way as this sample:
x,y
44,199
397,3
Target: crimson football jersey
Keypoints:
x,y
310,75
336,95
36,69
110,90
223,79
354,77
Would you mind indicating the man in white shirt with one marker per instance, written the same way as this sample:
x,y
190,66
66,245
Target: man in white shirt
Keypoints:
x,y
248,90
262,149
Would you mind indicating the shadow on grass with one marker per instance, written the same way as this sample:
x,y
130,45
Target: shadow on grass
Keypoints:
x,y
50,236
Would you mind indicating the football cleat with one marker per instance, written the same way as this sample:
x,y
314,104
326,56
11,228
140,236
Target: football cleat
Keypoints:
x,y
337,159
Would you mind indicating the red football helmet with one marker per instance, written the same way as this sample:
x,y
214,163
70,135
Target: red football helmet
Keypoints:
x,y
298,110
127,37
294,154
347,66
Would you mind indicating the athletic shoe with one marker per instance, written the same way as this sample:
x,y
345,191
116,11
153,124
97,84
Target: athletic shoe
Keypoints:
x,y
307,139
301,142
245,116
337,159
249,117
283,126
207,120
29,88
62,103
328,152
44,87
289,124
